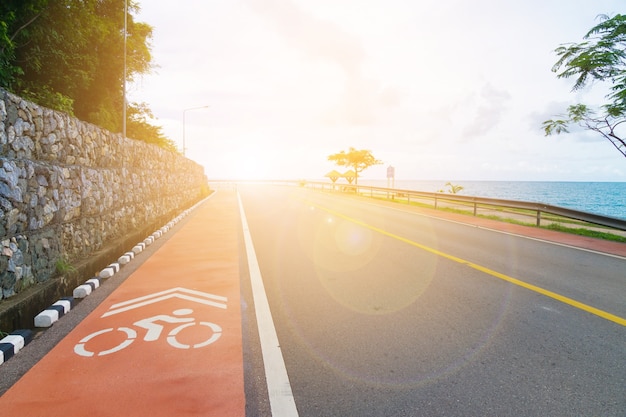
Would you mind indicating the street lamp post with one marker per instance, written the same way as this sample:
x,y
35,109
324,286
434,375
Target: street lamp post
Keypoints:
x,y
185,111
124,88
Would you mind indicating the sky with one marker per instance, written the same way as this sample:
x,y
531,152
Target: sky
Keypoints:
x,y
447,90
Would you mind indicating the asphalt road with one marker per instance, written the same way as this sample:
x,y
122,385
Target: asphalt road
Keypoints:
x,y
386,312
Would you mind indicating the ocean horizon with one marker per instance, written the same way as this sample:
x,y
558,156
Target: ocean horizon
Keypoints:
x,y
604,198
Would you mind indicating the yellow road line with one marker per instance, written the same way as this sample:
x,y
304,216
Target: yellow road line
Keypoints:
x,y
539,290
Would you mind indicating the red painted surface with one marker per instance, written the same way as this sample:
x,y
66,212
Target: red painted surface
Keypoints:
x,y
594,244
154,378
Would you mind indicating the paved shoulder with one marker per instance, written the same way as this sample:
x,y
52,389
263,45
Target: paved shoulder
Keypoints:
x,y
166,342
562,238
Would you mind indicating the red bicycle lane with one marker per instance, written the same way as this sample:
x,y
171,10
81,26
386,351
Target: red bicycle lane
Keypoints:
x,y
166,342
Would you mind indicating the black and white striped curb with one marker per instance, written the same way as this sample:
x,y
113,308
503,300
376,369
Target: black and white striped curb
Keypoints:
x,y
54,312
87,288
47,317
15,341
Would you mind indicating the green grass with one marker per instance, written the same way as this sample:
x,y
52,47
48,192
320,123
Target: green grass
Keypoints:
x,y
586,232
503,219
63,266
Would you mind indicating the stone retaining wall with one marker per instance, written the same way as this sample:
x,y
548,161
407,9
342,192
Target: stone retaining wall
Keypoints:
x,y
68,188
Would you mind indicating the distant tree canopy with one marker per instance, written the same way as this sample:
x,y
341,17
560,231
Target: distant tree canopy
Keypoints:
x,y
69,55
358,160
600,57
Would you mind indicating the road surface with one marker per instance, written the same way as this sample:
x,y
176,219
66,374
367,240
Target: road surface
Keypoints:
x,y
314,304
384,312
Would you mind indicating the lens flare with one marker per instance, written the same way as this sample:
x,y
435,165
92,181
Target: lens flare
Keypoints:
x,y
352,264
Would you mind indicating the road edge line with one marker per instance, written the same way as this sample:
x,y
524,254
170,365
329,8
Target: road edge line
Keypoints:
x,y
279,391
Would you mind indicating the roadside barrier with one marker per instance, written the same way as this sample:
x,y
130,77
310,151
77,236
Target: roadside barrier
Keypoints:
x,y
437,200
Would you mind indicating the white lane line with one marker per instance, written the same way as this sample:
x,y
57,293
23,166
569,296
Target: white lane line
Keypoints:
x,y
281,398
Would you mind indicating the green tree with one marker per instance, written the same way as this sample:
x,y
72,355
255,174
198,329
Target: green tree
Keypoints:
x,y
69,55
358,160
600,57
139,127
16,18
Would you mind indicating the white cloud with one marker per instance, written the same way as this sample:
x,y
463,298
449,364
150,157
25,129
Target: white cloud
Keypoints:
x,y
491,106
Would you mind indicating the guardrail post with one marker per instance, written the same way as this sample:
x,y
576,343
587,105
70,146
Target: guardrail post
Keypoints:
x,y
475,208
435,202
408,199
538,217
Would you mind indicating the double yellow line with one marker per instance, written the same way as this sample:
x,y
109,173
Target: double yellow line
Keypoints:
x,y
539,290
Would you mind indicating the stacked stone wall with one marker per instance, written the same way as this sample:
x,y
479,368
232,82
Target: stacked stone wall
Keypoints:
x,y
67,188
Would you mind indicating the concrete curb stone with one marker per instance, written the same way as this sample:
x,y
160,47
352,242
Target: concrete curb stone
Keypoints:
x,y
13,343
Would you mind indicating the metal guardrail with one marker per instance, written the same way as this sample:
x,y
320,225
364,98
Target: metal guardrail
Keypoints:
x,y
474,202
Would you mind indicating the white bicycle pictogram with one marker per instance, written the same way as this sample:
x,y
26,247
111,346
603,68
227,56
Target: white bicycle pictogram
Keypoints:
x,y
153,333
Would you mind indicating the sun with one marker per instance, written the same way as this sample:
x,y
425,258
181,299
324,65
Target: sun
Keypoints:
x,y
252,164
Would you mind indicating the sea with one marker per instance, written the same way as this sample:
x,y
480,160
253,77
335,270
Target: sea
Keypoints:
x,y
604,198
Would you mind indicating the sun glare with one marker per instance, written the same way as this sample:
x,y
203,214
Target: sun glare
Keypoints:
x,y
251,164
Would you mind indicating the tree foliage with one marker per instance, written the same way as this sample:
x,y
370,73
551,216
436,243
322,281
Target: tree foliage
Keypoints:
x,y
139,126
600,57
69,55
358,160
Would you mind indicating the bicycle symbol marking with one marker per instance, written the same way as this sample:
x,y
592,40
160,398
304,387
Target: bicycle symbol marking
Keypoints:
x,y
153,333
